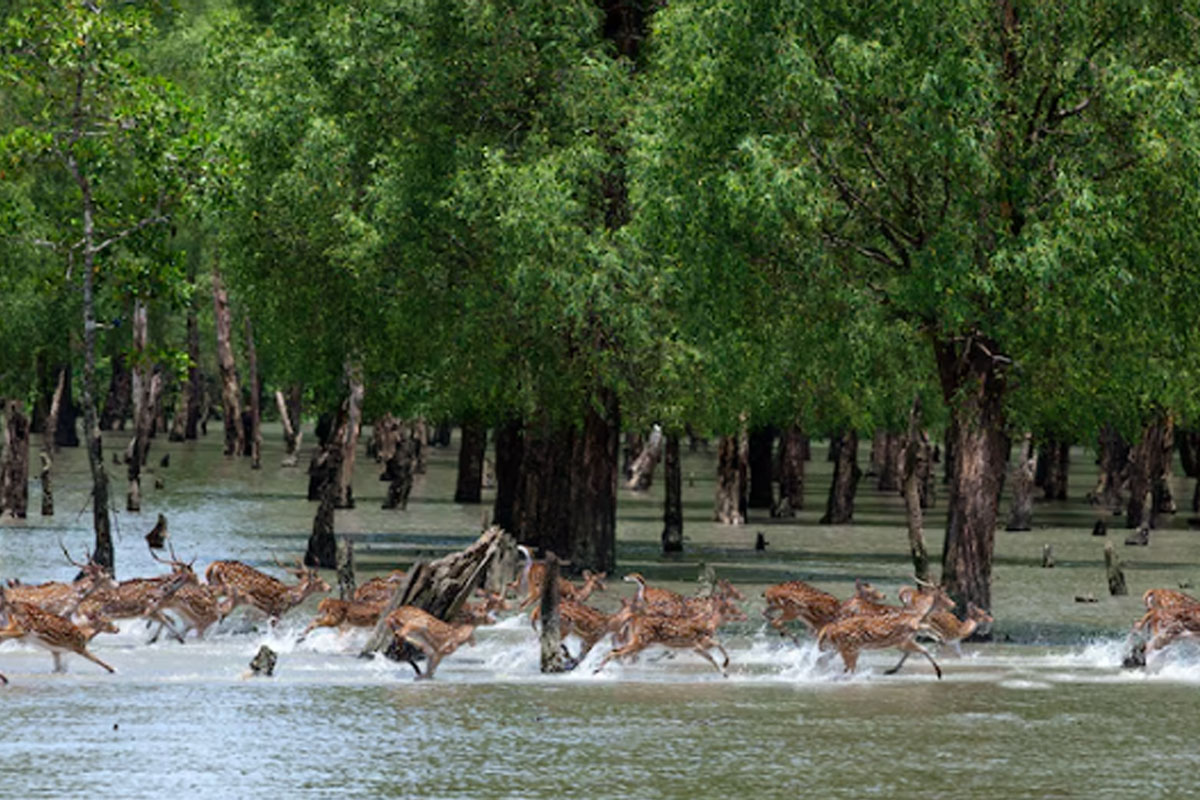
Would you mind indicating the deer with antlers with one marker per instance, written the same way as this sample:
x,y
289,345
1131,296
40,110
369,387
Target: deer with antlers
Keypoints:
x,y
427,633
897,628
52,632
63,598
137,598
242,584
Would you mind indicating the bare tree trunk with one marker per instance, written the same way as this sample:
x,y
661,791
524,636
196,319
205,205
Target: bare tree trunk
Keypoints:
x,y
349,440
1020,515
16,465
641,471
345,569
147,384
793,448
1053,462
839,508
551,638
399,473
888,478
672,535
420,437
915,469
1148,473
292,435
120,393
761,468
235,434
48,447
254,435
731,476
1189,457
633,447
1114,470
469,486
322,545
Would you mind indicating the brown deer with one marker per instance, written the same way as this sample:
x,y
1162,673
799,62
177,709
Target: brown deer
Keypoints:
x,y
655,600
533,575
137,598
335,613
427,633
951,630
483,611
50,631
197,604
896,628
63,598
1162,606
812,606
865,600
590,624
240,584
693,633
379,590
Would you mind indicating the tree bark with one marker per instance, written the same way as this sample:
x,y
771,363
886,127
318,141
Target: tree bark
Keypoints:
x,y
345,569
592,537
793,449
731,476
541,509
1053,463
349,439
254,434
973,388
641,471
888,477
915,469
120,393
1020,515
235,434
551,636
15,481
1114,470
509,450
672,535
398,469
839,508
147,384
1149,474
1189,457
292,435
761,466
48,448
322,545
634,445
469,487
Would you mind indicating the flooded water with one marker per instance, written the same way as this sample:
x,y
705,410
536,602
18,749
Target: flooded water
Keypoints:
x,y
1046,711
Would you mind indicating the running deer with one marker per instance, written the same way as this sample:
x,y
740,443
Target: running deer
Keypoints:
x,y
590,625
483,611
896,628
533,576
137,598
52,632
335,613
1162,605
951,630
655,600
693,633
63,598
427,633
379,590
812,606
197,604
240,583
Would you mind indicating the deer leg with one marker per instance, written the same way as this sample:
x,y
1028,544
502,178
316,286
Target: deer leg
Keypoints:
x,y
58,662
93,659
157,633
431,663
913,647
849,659
3,680
166,623
702,649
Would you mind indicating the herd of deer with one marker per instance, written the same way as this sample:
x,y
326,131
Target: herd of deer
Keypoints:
x,y
64,617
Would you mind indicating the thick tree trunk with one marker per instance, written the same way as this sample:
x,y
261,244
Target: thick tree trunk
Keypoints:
x,y
1149,474
120,395
541,509
1189,457
1053,462
322,544
292,435
888,477
793,449
761,466
469,487
1114,470
1020,515
48,448
592,536
349,439
731,476
235,434
254,434
915,470
641,471
509,449
15,470
839,508
672,535
973,388
65,434
551,636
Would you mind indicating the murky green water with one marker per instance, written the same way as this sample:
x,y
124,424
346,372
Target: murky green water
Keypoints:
x,y
1046,712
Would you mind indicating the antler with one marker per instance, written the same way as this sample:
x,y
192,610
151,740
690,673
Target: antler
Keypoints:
x,y
70,560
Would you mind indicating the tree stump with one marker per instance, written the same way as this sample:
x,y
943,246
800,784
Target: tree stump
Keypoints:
x,y
1116,576
263,663
1047,556
551,637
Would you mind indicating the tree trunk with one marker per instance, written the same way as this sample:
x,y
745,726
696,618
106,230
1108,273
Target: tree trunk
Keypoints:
x,y
15,470
120,393
1189,457
878,452
1114,470
761,466
420,438
345,570
509,450
551,637
292,435
235,434
349,439
541,510
633,447
322,545
1149,472
48,431
399,474
793,448
915,469
641,471
1020,515
672,535
731,474
592,536
888,478
146,387
1164,498
469,488
973,388
839,508
1053,463
254,434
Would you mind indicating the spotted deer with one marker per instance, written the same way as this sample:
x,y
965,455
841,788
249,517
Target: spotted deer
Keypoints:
x,y
340,614
379,590
652,599
427,633
137,598
896,628
483,611
198,605
949,629
52,632
533,575
590,624
1162,606
242,584
692,633
62,598
812,606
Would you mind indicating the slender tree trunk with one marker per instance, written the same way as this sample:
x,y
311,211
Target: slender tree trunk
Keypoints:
x,y
16,466
839,508
672,535
235,434
142,407
509,451
1053,463
551,636
915,469
973,388
1164,498
292,434
888,478
633,447
878,452
120,394
592,536
1149,472
420,437
195,384
254,434
731,474
641,471
793,447
345,569
469,488
349,439
322,544
399,472
761,464
48,448
1020,515
1114,470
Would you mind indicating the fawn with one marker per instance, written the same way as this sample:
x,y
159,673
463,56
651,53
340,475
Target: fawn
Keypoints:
x,y
427,633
